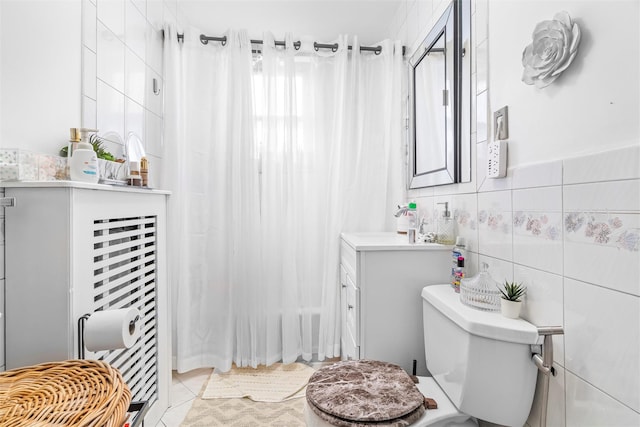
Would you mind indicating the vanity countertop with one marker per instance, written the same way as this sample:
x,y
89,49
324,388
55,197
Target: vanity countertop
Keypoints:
x,y
81,185
388,241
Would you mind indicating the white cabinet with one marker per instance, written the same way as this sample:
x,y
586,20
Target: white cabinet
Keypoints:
x,y
381,278
2,316
73,249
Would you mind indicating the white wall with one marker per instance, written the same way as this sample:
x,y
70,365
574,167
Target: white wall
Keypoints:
x,y
39,84
566,219
39,73
593,105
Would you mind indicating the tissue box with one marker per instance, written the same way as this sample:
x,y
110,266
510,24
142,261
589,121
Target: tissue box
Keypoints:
x,y
52,168
23,165
18,165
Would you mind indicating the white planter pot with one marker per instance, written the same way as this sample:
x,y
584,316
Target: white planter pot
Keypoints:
x,y
510,309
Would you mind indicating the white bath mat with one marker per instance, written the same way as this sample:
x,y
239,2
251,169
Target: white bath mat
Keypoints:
x,y
275,383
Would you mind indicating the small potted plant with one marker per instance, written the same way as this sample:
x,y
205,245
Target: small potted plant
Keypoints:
x,y
511,302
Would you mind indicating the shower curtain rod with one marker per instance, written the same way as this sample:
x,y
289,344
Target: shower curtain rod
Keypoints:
x,y
334,47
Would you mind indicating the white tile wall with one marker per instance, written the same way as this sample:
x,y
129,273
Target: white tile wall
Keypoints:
x,y
539,175
587,406
153,141
110,58
136,29
482,127
136,77
89,29
606,166
110,110
482,67
135,119
89,73
89,112
154,48
154,13
111,14
581,271
122,54
569,229
603,347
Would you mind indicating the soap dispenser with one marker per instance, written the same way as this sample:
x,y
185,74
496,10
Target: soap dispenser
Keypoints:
x,y
83,165
445,226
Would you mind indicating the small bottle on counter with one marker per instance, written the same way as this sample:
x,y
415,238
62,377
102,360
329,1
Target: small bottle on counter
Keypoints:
x,y
144,171
412,215
457,274
134,177
457,251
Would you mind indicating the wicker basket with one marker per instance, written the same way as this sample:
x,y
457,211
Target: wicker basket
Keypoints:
x,y
72,393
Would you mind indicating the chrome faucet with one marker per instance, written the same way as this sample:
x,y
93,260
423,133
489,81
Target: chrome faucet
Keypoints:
x,y
401,210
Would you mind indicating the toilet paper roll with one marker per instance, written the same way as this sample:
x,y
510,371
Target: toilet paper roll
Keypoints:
x,y
112,329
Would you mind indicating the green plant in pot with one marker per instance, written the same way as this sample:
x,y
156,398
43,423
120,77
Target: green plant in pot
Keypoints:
x,y
511,301
98,146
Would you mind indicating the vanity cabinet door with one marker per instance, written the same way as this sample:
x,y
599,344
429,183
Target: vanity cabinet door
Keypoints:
x,y
353,318
343,311
349,303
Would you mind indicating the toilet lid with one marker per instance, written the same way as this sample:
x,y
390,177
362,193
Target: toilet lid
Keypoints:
x,y
364,391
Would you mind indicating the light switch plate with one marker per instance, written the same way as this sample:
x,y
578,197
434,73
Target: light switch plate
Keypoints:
x,y
501,123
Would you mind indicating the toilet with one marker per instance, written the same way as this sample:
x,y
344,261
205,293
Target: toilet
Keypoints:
x,y
480,364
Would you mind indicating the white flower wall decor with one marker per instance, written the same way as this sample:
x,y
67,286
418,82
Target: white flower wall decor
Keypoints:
x,y
554,45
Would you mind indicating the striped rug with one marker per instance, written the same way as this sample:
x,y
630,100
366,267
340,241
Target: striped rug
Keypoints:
x,y
274,383
243,412
282,385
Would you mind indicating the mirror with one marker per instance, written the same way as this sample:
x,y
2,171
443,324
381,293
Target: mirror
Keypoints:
x,y
439,102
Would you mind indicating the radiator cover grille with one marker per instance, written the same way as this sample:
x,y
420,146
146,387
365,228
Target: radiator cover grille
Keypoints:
x,y
124,275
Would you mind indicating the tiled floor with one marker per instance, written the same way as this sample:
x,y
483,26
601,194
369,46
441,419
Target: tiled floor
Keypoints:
x,y
184,389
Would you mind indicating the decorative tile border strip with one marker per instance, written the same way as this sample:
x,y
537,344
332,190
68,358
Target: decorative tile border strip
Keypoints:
x,y
537,224
494,221
464,219
601,228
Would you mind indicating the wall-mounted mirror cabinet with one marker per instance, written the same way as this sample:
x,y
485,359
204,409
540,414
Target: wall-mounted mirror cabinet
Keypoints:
x,y
440,102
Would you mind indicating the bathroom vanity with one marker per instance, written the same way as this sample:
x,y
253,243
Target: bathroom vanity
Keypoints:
x,y
381,278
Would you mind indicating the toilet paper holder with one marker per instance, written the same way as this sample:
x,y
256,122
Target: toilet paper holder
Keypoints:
x,y
139,408
81,324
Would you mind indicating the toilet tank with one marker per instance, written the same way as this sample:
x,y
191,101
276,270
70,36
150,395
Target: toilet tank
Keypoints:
x,y
481,360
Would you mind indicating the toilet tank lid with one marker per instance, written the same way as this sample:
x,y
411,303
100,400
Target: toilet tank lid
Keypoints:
x,y
492,325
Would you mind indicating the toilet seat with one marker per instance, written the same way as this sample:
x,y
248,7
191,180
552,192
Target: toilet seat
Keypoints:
x,y
364,392
447,415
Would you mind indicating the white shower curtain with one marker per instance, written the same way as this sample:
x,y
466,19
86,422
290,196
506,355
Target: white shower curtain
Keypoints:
x,y
269,159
